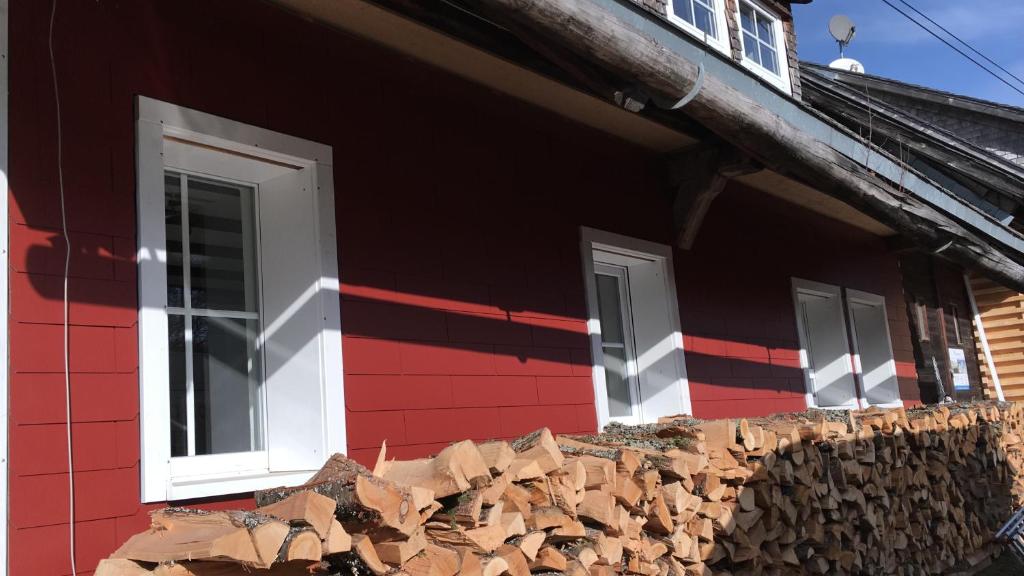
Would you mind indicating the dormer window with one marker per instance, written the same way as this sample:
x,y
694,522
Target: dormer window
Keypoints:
x,y
762,40
704,19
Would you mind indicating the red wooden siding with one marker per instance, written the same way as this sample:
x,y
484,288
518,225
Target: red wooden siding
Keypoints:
x,y
463,306
736,302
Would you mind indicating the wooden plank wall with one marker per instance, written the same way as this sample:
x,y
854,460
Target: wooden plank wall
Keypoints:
x,y
1002,314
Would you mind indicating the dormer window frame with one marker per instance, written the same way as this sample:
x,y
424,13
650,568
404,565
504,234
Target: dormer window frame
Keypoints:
x,y
720,41
780,80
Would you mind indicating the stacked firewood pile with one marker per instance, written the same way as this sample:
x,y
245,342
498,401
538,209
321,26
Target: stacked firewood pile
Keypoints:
x,y
871,492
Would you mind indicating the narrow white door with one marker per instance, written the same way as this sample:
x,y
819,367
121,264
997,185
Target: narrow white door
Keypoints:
x,y
825,347
873,348
293,349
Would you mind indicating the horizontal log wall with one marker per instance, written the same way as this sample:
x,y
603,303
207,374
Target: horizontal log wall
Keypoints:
x,y
1002,314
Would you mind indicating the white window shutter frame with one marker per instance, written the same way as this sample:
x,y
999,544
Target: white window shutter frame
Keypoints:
x,y
662,391
293,318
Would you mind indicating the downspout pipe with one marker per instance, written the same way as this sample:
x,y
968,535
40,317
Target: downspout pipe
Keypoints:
x,y
984,340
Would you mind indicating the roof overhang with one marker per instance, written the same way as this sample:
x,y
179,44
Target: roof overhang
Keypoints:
x,y
392,30
621,40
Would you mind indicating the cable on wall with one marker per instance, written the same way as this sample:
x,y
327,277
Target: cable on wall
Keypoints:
x,y
67,269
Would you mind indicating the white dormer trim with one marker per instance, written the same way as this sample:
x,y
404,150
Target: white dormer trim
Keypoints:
x,y
781,80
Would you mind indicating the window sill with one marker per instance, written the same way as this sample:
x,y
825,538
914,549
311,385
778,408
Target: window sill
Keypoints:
x,y
187,488
716,43
782,82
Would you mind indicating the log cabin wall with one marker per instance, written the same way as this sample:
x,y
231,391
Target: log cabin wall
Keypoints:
x,y
1002,313
458,215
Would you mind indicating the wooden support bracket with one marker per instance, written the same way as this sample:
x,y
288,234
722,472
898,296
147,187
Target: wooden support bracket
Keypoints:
x,y
699,174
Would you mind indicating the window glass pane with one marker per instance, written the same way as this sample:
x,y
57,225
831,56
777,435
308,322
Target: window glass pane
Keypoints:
x,y
179,416
747,18
610,309
750,48
172,218
768,59
704,18
221,245
226,366
617,382
683,9
765,31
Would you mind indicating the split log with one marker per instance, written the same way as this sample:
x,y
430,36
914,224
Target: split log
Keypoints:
x,y
192,535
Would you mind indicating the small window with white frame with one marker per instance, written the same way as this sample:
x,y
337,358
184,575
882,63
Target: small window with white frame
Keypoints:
x,y
704,19
763,43
239,325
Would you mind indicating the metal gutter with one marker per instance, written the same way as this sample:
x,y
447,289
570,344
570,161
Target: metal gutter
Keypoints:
x,y
815,124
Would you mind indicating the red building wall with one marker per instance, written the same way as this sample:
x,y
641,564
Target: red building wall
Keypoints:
x,y
463,306
736,301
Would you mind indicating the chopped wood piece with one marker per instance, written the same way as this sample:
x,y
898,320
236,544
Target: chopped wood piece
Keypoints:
x,y
306,506
302,545
599,506
493,566
485,539
539,448
363,548
433,561
400,551
497,455
120,567
337,539
189,535
518,565
456,469
549,558
530,544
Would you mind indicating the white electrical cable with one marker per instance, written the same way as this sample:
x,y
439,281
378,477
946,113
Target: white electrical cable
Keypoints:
x,y
67,269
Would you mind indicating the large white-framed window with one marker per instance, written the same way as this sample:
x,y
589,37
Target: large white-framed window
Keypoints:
x,y
639,369
704,19
763,43
240,363
845,347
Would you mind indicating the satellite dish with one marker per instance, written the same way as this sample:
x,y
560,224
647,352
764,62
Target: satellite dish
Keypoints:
x,y
843,30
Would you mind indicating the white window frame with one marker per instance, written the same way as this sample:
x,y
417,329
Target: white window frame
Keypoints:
x,y
164,478
621,275
782,80
627,247
869,299
722,27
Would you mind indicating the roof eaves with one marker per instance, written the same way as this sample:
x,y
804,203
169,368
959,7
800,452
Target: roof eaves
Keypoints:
x,y
933,135
996,109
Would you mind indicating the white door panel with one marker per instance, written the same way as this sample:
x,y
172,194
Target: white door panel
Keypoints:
x,y
290,250
826,347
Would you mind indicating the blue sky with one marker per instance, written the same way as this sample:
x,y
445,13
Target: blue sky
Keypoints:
x,y
890,45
